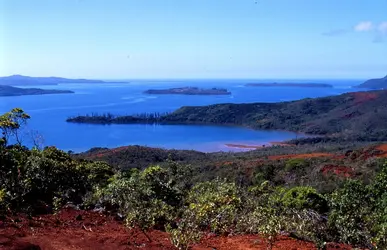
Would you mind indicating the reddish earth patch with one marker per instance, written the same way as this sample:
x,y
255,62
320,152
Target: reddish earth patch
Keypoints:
x,y
383,149
299,156
361,97
76,230
338,170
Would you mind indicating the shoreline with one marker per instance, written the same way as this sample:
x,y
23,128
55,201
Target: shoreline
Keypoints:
x,y
256,146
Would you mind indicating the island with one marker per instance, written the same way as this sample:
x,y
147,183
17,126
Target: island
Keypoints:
x,y
303,85
189,91
378,83
20,80
14,91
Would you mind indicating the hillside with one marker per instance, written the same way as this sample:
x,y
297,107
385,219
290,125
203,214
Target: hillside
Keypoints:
x,y
14,91
171,199
378,83
19,80
358,116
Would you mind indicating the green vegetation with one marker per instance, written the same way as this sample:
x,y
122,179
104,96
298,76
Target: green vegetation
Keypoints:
x,y
188,193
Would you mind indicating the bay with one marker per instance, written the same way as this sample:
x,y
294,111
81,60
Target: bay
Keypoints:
x,y
49,113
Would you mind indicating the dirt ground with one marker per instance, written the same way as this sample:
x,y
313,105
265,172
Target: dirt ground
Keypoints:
x,y
76,229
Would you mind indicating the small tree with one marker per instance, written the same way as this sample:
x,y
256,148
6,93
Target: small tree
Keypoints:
x,y
10,124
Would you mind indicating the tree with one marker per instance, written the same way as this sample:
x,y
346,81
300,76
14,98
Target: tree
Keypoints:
x,y
10,124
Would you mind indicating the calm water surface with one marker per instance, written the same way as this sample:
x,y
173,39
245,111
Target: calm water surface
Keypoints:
x,y
49,113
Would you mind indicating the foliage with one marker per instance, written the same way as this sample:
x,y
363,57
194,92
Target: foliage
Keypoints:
x,y
304,198
213,205
34,180
350,213
266,196
10,124
186,233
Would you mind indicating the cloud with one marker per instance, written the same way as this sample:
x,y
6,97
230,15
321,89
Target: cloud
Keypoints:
x,y
336,32
377,30
364,26
382,28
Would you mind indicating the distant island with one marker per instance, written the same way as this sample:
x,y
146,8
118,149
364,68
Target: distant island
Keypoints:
x,y
20,80
306,85
14,91
188,91
378,83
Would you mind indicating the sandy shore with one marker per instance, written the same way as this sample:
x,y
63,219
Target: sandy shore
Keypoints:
x,y
254,146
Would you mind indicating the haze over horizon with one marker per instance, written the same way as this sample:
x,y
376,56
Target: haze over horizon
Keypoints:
x,y
194,39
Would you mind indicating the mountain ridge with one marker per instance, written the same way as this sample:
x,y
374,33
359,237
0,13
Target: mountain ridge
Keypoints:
x,y
21,80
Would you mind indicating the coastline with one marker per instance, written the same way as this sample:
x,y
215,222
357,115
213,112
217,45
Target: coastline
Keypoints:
x,y
256,146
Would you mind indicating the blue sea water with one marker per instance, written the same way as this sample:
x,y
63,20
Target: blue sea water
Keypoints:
x,y
49,113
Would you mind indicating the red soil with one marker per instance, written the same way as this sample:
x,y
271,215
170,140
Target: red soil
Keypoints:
x,y
382,148
299,156
361,97
76,230
338,170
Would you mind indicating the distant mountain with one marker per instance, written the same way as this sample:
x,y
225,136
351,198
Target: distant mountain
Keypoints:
x,y
14,91
19,80
379,83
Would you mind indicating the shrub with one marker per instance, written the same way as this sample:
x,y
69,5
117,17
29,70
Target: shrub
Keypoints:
x,y
214,205
350,213
304,198
295,164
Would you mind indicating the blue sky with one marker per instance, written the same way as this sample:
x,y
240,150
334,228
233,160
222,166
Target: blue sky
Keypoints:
x,y
194,38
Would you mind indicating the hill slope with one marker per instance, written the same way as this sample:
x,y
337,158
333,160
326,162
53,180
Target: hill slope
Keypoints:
x,y
360,113
379,83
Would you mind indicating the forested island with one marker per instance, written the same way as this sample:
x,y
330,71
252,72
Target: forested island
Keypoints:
x,y
189,91
20,80
357,116
378,83
14,91
305,85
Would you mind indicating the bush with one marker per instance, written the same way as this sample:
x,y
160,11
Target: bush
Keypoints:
x,y
304,198
350,213
38,181
213,205
295,164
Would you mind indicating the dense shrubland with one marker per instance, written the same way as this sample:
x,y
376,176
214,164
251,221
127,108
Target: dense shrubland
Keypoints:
x,y
173,196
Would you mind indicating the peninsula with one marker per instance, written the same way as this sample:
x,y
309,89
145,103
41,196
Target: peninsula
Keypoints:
x,y
20,80
189,91
303,85
354,116
378,83
14,91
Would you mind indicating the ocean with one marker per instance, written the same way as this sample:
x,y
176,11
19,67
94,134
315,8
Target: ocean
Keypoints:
x,y
49,113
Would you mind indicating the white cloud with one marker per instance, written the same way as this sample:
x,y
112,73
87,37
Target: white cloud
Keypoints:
x,y
383,27
364,26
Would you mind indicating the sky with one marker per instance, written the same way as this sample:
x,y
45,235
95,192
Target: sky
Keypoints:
x,y
129,39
